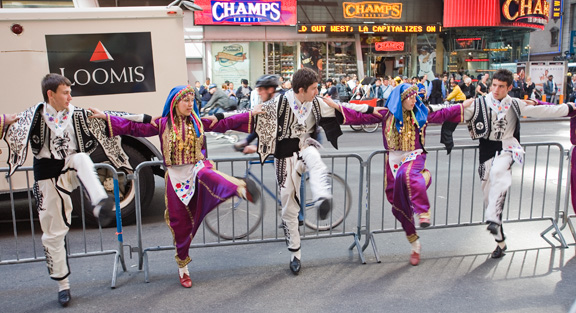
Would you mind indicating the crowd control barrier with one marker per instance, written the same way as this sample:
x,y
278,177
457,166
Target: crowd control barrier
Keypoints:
x,y
237,222
25,243
569,212
455,192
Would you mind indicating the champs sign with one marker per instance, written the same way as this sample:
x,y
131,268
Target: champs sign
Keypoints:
x,y
525,11
372,10
246,12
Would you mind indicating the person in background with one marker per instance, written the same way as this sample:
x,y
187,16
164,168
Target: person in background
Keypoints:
x,y
529,87
550,89
243,94
231,93
457,95
204,92
218,101
482,87
437,91
331,90
197,86
571,89
386,89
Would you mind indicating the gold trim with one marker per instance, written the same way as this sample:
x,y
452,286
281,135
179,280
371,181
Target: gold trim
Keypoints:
x,y
109,125
412,238
2,121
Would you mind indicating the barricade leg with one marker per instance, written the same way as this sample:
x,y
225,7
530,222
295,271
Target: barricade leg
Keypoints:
x,y
557,233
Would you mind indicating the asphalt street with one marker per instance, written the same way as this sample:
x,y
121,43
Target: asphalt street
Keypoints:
x,y
456,273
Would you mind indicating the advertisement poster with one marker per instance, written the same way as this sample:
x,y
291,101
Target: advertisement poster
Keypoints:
x,y
312,55
231,63
539,72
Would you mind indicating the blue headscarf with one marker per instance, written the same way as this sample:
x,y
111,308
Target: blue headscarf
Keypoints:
x,y
394,104
174,96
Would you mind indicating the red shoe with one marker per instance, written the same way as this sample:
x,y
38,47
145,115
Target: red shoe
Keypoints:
x,y
424,219
185,281
415,258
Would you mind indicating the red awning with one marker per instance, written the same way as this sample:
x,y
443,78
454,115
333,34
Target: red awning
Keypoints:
x,y
475,13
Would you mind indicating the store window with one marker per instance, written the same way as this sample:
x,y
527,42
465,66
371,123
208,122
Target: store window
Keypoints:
x,y
554,31
279,59
341,60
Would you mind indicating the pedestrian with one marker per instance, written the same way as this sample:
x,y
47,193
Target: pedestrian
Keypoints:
x,y
243,94
529,88
331,90
404,122
550,89
266,89
204,92
293,119
193,185
494,120
218,102
61,138
456,94
482,87
437,91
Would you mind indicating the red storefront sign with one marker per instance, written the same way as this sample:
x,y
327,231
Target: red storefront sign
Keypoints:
x,y
496,13
389,46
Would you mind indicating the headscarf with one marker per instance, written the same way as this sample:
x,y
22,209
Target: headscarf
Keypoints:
x,y
174,97
394,104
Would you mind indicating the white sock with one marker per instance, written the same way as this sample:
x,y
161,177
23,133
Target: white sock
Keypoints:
x,y
183,270
416,246
296,254
63,284
502,244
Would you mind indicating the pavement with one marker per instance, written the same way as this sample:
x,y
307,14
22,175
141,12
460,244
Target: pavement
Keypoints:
x,y
456,274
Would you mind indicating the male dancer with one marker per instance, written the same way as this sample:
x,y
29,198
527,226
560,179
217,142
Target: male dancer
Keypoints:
x,y
61,137
494,119
288,130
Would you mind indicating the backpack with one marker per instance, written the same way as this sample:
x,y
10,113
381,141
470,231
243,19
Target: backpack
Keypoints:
x,y
343,93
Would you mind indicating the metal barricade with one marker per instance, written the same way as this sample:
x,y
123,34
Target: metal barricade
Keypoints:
x,y
565,214
25,245
237,222
455,194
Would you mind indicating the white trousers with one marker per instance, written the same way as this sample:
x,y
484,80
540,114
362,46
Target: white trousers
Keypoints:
x,y
319,181
496,176
55,208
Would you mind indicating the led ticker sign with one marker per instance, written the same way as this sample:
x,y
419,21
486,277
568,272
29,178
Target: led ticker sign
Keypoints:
x,y
389,46
367,29
372,10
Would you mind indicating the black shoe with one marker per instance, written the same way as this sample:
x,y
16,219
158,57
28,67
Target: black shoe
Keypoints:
x,y
252,190
239,146
499,252
295,266
64,297
104,211
323,206
493,228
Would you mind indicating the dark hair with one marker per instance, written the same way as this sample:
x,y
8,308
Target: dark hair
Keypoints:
x,y
51,82
304,78
244,81
504,75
